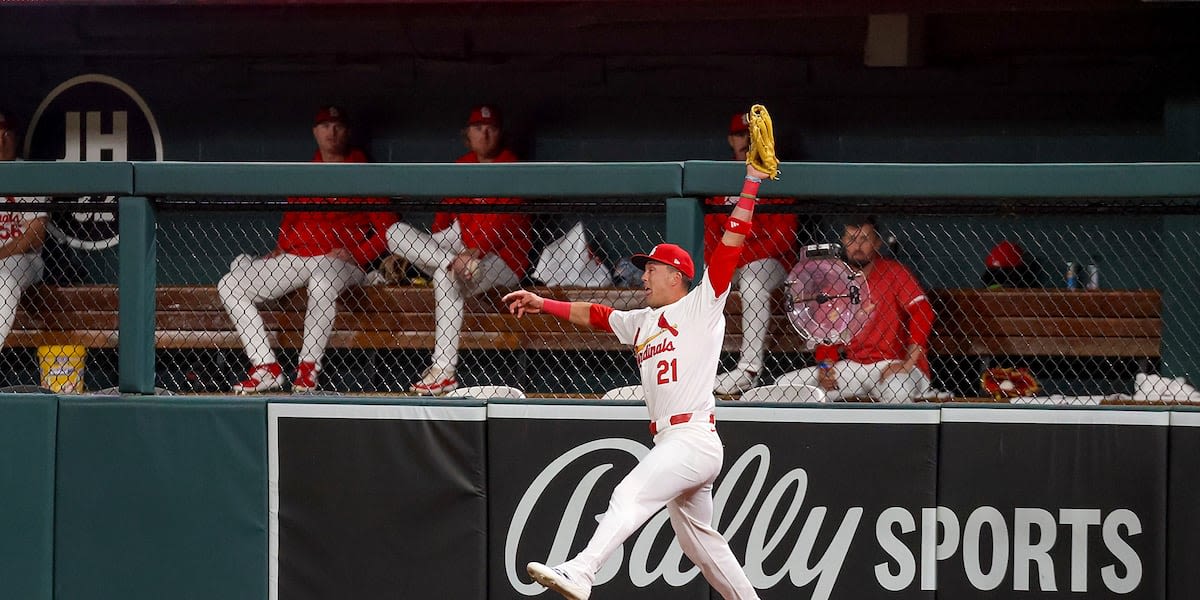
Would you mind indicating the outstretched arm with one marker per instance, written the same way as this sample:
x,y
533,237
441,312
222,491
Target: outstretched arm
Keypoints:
x,y
522,302
724,259
735,235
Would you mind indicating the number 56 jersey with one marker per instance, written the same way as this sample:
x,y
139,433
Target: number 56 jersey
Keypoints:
x,y
677,348
13,220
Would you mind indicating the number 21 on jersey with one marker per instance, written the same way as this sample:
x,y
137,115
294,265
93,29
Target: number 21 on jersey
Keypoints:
x,y
667,373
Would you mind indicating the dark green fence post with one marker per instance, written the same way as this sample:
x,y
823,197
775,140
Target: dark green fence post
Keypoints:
x,y
136,280
685,227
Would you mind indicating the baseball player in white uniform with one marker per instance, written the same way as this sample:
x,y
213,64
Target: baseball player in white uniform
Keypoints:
x,y
22,234
677,341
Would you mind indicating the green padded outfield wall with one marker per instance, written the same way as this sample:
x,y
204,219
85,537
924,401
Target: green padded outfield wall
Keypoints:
x,y
27,439
161,498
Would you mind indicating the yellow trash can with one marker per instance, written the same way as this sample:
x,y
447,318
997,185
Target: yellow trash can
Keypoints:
x,y
62,368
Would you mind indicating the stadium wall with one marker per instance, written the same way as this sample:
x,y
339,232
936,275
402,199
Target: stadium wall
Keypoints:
x,y
270,497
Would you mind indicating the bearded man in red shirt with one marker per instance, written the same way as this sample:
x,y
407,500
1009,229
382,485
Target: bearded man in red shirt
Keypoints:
x,y
886,359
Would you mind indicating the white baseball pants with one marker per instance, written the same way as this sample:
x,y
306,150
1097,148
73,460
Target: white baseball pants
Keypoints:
x,y
17,273
677,473
432,254
251,280
756,281
862,379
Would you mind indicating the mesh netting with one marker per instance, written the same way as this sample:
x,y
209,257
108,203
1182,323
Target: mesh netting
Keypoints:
x,y
392,325
1081,311
63,329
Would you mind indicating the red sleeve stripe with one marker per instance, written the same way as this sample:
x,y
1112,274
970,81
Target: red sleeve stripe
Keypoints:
x,y
598,317
721,265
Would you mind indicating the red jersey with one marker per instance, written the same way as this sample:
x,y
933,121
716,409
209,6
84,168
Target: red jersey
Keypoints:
x,y
900,316
14,222
772,235
503,234
313,233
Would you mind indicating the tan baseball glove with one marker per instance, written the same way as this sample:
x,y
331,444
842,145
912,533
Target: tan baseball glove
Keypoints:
x,y
762,142
394,269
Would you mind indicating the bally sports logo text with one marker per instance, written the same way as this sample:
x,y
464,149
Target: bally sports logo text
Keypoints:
x,y
984,541
92,118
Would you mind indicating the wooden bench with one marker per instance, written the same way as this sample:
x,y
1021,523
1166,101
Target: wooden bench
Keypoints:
x,y
1047,322
971,323
379,317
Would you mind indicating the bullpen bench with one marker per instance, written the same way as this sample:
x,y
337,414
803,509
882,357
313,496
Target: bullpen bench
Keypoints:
x,y
1048,322
376,317
971,324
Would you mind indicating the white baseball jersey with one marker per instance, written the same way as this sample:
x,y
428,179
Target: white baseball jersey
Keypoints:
x,y
13,223
677,348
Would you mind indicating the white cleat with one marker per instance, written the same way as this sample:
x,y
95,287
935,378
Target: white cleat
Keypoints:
x,y
263,378
558,581
435,382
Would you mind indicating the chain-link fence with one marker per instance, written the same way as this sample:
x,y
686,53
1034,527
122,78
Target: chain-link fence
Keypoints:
x,y
59,305
1073,301
996,276
1044,302
404,323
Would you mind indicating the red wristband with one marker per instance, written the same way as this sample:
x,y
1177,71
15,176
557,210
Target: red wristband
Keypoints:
x,y
750,187
738,226
749,194
557,308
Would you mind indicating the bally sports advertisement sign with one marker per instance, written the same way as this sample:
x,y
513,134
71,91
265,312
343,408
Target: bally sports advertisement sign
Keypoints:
x,y
452,501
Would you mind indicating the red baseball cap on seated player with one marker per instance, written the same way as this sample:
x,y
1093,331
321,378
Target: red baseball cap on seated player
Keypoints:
x,y
739,123
329,113
1005,255
484,114
670,255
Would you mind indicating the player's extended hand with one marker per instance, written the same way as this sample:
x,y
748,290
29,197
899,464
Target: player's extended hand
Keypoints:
x,y
465,264
523,302
894,368
752,172
341,254
827,378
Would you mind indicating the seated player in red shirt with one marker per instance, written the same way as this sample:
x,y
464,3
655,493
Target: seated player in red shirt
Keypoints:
x,y
886,359
770,248
466,253
323,251
22,234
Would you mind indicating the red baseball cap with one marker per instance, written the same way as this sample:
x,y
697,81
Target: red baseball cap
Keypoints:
x,y
1006,255
739,123
7,122
329,113
486,114
670,255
